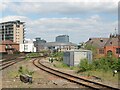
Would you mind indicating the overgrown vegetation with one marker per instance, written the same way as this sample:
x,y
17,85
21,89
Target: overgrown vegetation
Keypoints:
x,y
57,56
105,64
23,70
32,55
93,49
61,65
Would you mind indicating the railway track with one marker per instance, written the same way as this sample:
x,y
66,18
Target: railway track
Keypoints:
x,y
7,63
72,78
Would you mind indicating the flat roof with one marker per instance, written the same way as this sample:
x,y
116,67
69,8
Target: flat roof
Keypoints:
x,y
79,50
12,22
60,44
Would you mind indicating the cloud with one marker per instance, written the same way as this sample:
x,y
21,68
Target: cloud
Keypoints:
x,y
65,8
3,5
71,1
9,18
77,28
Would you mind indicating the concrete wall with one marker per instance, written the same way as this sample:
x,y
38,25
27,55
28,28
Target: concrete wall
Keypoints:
x,y
79,56
73,58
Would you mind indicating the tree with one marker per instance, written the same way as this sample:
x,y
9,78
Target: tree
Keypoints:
x,y
92,48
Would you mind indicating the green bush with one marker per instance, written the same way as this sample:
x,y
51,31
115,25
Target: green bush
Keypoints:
x,y
58,56
23,70
32,55
92,48
105,64
85,65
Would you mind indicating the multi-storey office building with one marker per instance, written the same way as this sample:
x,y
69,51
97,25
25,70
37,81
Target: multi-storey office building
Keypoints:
x,y
12,30
62,38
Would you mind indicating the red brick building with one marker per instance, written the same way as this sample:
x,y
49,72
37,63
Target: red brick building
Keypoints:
x,y
98,43
9,47
112,45
106,45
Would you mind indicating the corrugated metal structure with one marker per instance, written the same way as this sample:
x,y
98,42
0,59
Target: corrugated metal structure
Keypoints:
x,y
73,58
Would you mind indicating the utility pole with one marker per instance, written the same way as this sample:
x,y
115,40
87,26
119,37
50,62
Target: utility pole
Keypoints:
x,y
115,31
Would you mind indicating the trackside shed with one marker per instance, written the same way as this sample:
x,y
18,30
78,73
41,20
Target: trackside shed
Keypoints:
x,y
73,58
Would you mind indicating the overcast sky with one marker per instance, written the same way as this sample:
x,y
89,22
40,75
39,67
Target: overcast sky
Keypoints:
x,y
80,20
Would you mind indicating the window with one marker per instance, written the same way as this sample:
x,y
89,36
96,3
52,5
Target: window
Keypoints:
x,y
110,42
26,47
18,26
101,40
6,45
101,51
117,50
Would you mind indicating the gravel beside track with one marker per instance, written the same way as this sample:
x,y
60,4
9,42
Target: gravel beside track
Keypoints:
x,y
41,79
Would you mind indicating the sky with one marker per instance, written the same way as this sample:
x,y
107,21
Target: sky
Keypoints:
x,y
80,19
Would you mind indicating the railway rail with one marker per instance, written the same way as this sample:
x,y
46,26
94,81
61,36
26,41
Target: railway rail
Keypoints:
x,y
7,63
72,78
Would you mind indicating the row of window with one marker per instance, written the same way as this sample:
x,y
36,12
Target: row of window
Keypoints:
x,y
101,51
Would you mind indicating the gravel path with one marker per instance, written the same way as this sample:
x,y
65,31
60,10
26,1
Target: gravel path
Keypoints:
x,y
41,79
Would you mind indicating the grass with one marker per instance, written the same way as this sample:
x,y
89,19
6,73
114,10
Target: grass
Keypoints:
x,y
24,70
74,68
27,58
61,65
13,74
105,76
30,55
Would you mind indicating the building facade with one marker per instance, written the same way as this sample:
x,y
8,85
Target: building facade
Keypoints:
x,y
113,46
106,45
13,30
39,44
98,45
57,46
9,47
62,38
28,46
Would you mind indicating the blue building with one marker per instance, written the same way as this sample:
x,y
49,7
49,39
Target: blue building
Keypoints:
x,y
62,38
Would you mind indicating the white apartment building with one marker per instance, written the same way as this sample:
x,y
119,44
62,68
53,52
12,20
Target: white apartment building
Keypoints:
x,y
28,46
13,30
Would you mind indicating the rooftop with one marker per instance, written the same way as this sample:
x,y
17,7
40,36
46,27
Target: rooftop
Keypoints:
x,y
98,42
113,42
62,35
16,21
8,42
60,44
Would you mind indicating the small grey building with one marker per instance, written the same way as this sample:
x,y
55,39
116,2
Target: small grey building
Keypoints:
x,y
39,44
73,58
